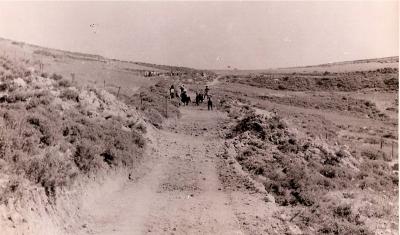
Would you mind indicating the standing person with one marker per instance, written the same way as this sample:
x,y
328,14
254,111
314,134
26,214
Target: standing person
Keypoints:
x,y
209,103
172,91
197,98
183,89
177,94
206,91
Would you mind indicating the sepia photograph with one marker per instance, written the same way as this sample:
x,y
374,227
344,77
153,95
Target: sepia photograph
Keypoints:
x,y
199,117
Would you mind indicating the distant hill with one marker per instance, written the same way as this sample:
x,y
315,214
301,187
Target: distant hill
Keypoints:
x,y
11,47
89,69
349,66
344,66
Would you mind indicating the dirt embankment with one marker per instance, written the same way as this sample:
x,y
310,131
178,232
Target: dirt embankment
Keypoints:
x,y
53,134
154,102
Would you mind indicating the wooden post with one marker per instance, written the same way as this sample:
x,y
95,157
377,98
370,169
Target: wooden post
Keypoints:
x,y
392,149
119,88
41,66
104,83
166,106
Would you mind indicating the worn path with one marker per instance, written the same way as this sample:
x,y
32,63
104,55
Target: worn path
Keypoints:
x,y
181,192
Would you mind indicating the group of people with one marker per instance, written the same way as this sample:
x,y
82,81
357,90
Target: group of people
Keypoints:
x,y
185,98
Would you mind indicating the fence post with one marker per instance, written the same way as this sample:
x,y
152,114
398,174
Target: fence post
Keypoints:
x,y
166,106
392,149
119,88
41,66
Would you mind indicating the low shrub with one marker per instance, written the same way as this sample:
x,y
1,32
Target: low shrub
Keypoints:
x,y
343,211
56,77
38,100
45,128
47,148
152,102
50,150
375,155
141,127
85,157
70,94
4,86
50,170
64,83
300,172
376,175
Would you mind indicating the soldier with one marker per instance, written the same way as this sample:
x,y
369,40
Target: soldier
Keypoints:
x,y
172,91
209,103
197,98
206,91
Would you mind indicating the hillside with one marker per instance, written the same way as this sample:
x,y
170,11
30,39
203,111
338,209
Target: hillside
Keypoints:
x,y
347,66
335,67
91,145
94,70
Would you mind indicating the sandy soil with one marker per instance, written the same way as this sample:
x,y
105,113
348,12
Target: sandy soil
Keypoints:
x,y
180,191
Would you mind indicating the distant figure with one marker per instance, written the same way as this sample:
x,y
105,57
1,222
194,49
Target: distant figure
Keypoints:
x,y
206,91
209,103
199,98
185,98
172,91
183,89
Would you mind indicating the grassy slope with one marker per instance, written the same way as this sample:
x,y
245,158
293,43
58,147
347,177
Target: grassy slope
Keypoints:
x,y
317,149
52,133
336,67
93,69
331,185
56,127
62,128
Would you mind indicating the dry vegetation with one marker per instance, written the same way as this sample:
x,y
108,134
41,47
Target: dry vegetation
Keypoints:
x,y
154,102
325,185
385,78
52,132
344,104
302,173
312,145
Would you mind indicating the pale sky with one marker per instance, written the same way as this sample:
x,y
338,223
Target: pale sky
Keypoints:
x,y
211,35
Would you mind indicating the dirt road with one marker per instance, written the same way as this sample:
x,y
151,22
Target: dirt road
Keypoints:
x,y
180,193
